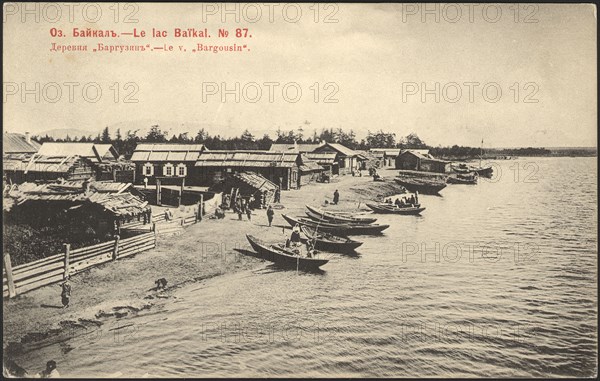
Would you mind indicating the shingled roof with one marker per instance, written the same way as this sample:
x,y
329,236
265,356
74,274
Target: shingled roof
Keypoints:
x,y
119,199
247,159
167,152
14,143
302,147
92,151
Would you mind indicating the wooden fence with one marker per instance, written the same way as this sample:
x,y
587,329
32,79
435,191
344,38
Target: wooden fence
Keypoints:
x,y
23,278
30,276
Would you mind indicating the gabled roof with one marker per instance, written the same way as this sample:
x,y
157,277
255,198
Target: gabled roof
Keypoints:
x,y
247,159
17,143
338,148
387,151
423,157
93,151
167,152
322,157
302,147
423,152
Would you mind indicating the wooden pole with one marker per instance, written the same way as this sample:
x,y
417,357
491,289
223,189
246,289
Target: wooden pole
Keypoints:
x,y
116,248
12,292
201,207
157,191
67,259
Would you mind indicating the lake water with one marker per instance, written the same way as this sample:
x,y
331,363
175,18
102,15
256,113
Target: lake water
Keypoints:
x,y
497,279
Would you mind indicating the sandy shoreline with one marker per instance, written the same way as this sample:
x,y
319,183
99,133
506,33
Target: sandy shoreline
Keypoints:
x,y
205,250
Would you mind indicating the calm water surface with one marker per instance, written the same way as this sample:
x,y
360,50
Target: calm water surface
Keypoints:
x,y
497,279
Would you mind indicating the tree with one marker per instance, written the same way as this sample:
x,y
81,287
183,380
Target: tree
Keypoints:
x,y
265,142
119,137
247,136
156,135
201,136
413,141
105,136
381,139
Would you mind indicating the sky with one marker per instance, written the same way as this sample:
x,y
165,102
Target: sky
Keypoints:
x,y
512,75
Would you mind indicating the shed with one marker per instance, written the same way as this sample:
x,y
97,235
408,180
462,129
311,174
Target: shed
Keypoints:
x,y
415,161
248,184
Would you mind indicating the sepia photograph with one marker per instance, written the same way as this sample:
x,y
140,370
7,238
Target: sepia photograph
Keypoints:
x,y
299,190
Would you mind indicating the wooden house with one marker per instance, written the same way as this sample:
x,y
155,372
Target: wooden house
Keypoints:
x,y
327,160
166,160
47,168
348,160
76,212
420,161
104,158
283,169
386,156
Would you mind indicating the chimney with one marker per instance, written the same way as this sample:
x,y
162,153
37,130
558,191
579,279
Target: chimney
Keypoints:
x,y
28,138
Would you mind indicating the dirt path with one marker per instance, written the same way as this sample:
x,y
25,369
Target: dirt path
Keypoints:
x,y
204,250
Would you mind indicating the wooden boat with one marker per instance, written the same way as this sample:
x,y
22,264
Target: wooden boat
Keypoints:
x,y
284,257
319,215
425,186
461,168
463,179
484,171
329,242
338,229
393,209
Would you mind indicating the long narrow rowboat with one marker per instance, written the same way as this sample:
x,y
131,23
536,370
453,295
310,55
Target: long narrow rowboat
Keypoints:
x,y
393,209
320,215
484,171
462,179
338,229
421,185
283,257
330,242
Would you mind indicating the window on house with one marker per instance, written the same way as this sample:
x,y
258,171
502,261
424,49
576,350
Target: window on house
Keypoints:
x,y
181,170
168,170
148,170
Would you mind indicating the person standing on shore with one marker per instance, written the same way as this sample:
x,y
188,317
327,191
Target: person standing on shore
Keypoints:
x,y
66,293
278,195
50,371
270,214
336,197
248,212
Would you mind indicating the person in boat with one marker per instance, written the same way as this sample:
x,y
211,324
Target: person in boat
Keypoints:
x,y
295,237
270,214
416,197
398,203
412,200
